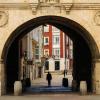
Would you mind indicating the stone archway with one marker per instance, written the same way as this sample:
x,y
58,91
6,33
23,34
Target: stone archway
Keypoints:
x,y
75,31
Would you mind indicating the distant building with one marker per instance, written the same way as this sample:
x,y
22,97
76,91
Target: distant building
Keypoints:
x,y
26,57
38,53
54,49
45,42
30,54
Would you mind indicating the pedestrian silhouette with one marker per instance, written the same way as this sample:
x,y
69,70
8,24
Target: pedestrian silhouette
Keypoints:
x,y
49,78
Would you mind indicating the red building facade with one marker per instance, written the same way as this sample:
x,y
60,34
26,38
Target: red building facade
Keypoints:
x,y
54,47
48,42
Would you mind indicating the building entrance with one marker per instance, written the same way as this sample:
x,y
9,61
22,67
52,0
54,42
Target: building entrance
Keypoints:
x,y
57,65
82,51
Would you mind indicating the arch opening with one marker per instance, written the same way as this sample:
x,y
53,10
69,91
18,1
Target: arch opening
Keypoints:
x,y
83,50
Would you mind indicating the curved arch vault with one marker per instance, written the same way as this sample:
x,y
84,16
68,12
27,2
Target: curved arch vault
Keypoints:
x,y
85,49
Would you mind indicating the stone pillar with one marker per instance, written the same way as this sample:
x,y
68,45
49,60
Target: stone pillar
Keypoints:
x,y
97,76
83,87
2,78
17,88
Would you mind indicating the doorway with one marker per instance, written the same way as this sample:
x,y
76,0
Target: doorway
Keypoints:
x,y
57,65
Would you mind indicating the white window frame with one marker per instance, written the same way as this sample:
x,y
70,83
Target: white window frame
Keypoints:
x,y
55,54
54,40
71,54
46,28
45,52
46,43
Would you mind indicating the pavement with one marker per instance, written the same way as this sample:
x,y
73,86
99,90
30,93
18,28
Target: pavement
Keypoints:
x,y
40,85
56,84
56,80
68,96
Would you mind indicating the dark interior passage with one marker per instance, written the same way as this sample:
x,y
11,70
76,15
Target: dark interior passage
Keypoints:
x,y
12,65
82,65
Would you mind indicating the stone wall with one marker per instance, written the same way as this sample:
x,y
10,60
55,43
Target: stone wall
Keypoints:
x,y
16,12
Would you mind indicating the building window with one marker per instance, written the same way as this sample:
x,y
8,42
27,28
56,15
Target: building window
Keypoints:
x,y
70,42
46,40
46,28
56,53
47,65
46,52
67,64
56,40
36,52
67,53
57,65
36,56
71,54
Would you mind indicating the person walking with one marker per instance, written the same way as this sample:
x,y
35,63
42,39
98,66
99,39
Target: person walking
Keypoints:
x,y
49,78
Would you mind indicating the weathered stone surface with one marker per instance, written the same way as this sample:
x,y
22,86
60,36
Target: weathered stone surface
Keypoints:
x,y
17,88
83,12
83,88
